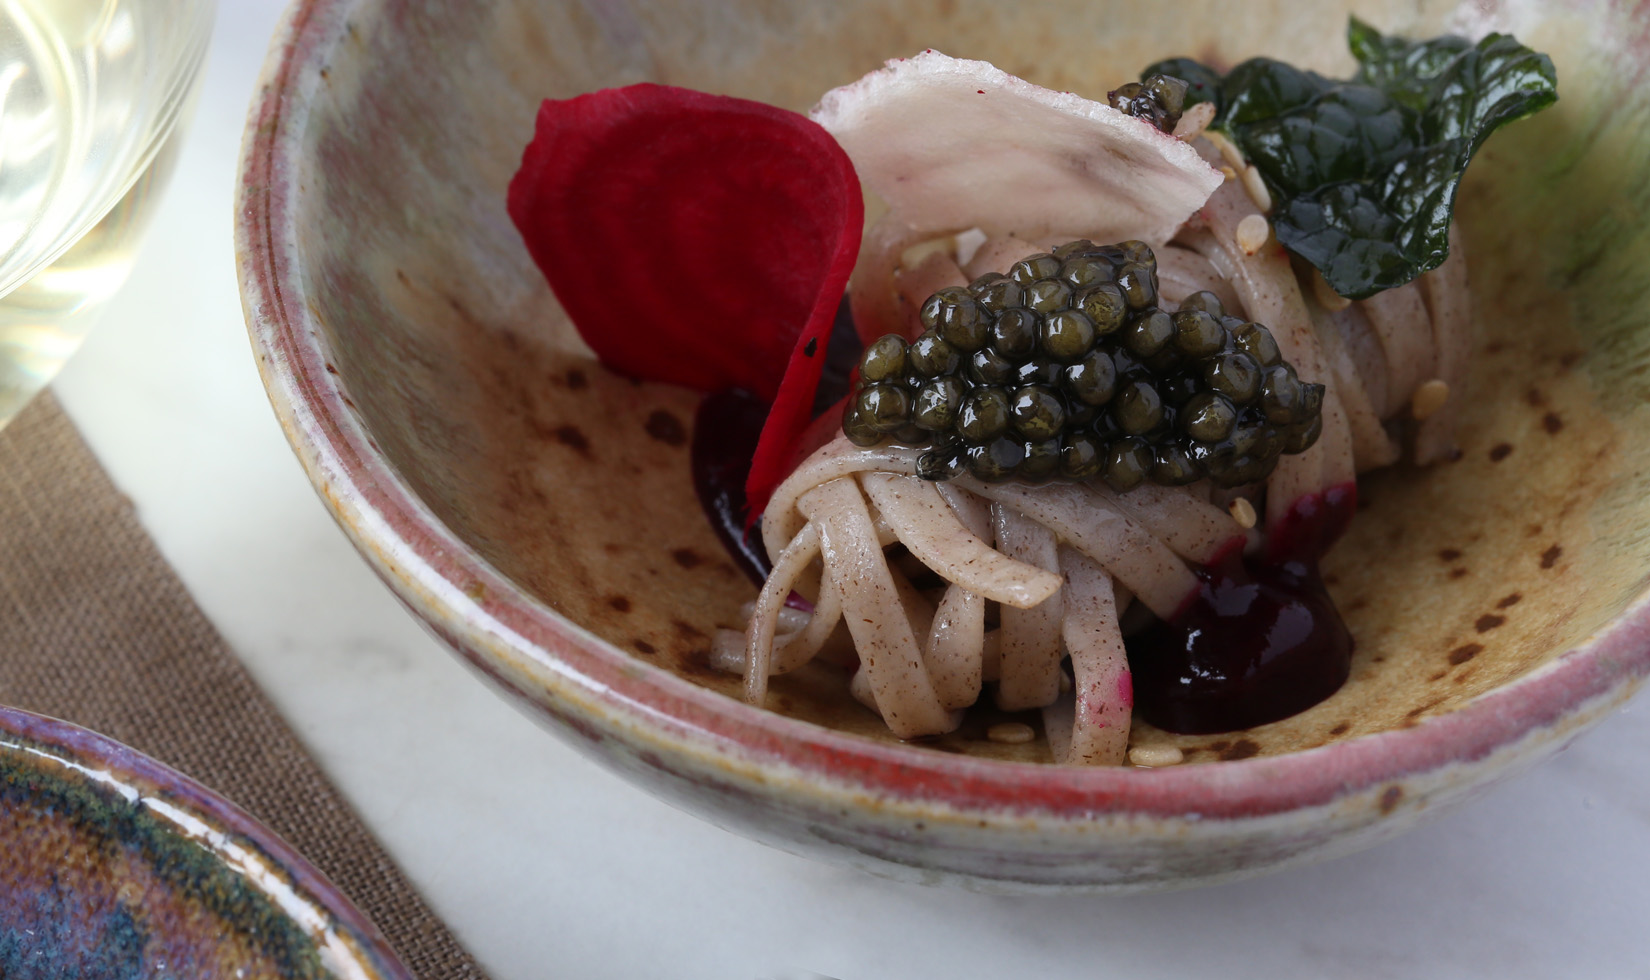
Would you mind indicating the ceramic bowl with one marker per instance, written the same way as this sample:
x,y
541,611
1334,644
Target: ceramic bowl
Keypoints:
x,y
535,510
113,865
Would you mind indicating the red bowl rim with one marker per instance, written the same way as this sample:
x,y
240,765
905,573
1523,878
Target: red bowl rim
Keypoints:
x,y
574,670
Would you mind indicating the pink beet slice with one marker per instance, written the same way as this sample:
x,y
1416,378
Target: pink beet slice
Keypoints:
x,y
695,239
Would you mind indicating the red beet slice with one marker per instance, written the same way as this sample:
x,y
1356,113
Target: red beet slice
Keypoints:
x,y
695,239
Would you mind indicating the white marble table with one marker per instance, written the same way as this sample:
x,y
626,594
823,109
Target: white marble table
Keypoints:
x,y
547,866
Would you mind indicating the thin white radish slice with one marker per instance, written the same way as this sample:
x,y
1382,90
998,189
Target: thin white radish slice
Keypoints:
x,y
952,144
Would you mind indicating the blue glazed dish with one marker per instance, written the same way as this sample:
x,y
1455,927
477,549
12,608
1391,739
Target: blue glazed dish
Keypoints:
x,y
113,866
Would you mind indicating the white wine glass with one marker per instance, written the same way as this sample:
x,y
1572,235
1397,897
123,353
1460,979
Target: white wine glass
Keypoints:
x,y
93,95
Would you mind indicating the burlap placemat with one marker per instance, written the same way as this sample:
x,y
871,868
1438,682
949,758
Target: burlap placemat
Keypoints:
x,y
96,629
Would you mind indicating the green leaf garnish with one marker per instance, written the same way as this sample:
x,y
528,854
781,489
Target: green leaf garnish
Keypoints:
x,y
1364,171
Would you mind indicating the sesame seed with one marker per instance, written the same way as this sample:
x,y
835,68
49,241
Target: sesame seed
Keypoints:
x,y
1256,188
1228,150
1243,512
1429,397
1194,120
1010,733
968,243
1252,233
1153,756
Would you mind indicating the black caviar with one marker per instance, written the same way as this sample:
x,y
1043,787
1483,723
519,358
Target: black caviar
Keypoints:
x,y
1159,99
1068,368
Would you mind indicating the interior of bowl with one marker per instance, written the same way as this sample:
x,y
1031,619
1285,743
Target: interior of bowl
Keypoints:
x,y
574,482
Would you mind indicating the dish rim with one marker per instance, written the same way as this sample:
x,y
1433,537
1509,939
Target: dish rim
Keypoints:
x,y
599,690
77,750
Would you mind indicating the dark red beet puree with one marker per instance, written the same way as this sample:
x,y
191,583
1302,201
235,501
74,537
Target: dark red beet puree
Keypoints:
x,y
1260,641
725,432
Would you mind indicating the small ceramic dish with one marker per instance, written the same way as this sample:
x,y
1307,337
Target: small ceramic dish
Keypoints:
x,y
536,511
113,865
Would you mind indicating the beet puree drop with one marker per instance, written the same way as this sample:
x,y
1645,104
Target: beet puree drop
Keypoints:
x,y
1260,641
725,431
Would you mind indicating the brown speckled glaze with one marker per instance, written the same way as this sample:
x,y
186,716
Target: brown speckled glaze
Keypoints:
x,y
536,509
113,866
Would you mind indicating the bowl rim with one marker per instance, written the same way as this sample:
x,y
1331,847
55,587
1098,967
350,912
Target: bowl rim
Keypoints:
x,y
600,690
91,757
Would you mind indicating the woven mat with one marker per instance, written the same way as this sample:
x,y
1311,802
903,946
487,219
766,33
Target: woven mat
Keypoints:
x,y
96,629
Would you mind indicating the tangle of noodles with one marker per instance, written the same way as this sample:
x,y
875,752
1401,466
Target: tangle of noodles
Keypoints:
x,y
1062,561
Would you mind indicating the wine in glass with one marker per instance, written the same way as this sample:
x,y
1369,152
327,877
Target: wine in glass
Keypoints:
x,y
92,96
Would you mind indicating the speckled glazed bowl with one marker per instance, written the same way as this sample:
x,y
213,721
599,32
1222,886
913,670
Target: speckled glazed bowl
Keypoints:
x,y
535,510
112,865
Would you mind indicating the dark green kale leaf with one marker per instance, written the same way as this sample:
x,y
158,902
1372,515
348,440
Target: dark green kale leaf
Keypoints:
x,y
1364,172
